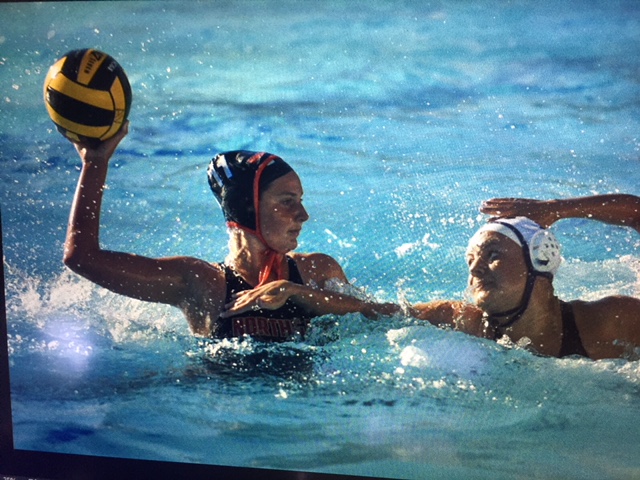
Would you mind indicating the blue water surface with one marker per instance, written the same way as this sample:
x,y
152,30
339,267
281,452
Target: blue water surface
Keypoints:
x,y
400,117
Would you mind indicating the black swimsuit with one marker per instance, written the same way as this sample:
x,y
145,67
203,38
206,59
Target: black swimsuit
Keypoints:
x,y
571,342
286,323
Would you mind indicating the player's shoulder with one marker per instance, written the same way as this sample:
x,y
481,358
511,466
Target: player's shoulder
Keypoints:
x,y
314,257
193,267
605,317
606,306
608,324
318,266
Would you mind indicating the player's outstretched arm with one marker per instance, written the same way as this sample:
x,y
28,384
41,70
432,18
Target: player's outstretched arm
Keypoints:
x,y
615,209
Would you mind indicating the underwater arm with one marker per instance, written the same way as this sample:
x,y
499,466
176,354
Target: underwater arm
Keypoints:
x,y
615,209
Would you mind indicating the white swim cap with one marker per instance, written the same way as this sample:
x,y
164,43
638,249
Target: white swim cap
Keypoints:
x,y
540,244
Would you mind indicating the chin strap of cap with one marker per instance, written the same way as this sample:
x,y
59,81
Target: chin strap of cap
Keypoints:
x,y
273,261
516,313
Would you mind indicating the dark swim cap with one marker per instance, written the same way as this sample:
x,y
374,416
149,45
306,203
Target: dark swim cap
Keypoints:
x,y
238,177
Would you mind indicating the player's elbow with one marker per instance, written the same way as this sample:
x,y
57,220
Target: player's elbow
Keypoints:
x,y
632,204
635,219
74,259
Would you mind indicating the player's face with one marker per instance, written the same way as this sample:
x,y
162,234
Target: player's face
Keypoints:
x,y
282,213
497,273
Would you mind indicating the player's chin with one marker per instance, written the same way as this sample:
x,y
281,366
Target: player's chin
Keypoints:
x,y
481,298
292,240
286,247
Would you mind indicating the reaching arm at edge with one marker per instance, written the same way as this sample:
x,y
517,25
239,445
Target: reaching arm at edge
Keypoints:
x,y
615,209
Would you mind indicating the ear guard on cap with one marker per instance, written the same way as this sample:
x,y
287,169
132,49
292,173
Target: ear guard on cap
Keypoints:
x,y
540,246
544,251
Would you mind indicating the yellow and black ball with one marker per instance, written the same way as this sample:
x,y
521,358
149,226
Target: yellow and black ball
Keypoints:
x,y
88,96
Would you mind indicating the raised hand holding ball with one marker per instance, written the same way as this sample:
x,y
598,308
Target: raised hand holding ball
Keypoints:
x,y
87,95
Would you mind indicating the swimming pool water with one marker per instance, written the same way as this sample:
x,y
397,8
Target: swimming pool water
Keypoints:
x,y
400,117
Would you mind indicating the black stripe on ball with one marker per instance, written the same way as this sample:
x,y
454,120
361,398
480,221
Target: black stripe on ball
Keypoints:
x,y
102,77
78,112
72,63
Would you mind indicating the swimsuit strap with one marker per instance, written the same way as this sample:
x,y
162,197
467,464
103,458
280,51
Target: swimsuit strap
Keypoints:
x,y
571,342
233,278
294,273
